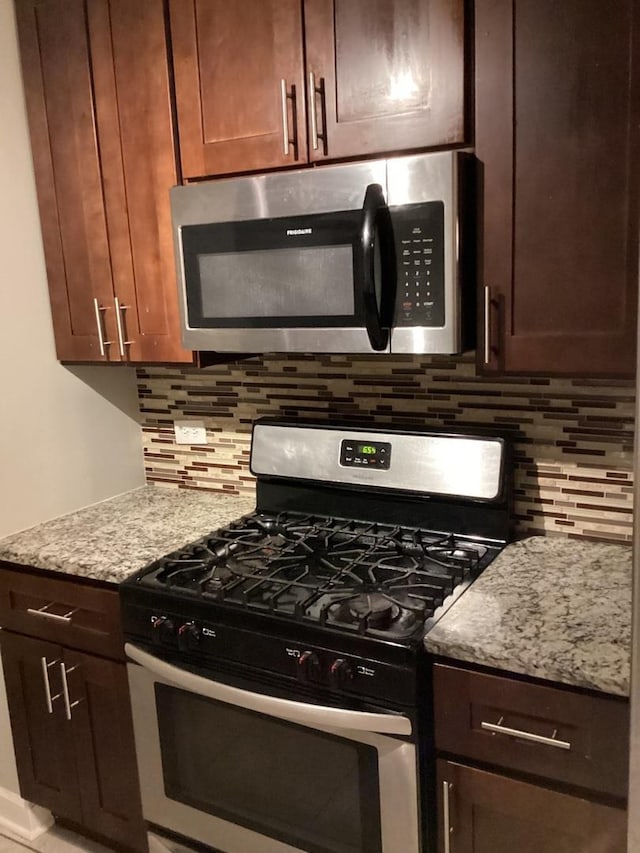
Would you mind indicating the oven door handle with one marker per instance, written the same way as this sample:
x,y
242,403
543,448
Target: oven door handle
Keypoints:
x,y
295,712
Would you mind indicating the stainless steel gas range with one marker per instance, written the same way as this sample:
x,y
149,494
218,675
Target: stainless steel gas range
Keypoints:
x,y
279,685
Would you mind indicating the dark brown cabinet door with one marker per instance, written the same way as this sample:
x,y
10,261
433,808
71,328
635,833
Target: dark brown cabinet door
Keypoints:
x,y
105,748
386,75
56,64
97,89
557,140
43,740
239,84
487,813
136,121
75,754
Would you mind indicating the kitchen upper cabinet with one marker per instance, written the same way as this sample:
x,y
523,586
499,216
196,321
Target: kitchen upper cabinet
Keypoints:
x,y
383,76
239,84
99,107
260,86
556,125
484,812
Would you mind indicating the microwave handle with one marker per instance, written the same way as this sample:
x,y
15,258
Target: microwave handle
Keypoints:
x,y
373,209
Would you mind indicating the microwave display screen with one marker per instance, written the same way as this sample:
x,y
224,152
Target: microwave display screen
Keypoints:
x,y
305,281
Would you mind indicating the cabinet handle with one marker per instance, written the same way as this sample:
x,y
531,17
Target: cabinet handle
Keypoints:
x,y
487,325
313,91
47,686
448,829
43,611
65,689
119,323
498,729
101,339
285,118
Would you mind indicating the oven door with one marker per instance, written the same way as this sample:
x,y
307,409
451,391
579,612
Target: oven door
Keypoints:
x,y
242,771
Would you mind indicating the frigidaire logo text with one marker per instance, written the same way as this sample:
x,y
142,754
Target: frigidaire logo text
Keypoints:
x,y
293,232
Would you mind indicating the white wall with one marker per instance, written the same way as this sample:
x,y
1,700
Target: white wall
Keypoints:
x,y
68,438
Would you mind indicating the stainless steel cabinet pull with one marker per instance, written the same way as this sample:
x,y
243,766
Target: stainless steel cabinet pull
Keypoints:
x,y
312,110
498,729
44,612
121,341
47,686
285,118
65,689
313,91
487,325
101,339
448,829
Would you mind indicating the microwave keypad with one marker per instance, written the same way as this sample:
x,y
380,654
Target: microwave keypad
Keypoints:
x,y
419,236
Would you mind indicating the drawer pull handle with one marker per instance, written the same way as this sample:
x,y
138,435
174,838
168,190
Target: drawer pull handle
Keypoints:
x,y
487,325
47,686
44,612
68,705
448,829
498,729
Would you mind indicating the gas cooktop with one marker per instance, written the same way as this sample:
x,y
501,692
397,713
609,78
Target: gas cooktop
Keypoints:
x,y
372,579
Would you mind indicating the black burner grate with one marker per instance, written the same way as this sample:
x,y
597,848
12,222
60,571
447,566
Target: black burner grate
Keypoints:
x,y
361,577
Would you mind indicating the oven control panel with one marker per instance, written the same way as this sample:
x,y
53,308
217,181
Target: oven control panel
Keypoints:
x,y
200,642
365,453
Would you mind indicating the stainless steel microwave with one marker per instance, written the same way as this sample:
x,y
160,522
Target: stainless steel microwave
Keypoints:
x,y
354,258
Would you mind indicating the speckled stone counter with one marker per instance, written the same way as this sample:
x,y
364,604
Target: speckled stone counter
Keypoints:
x,y
549,607
110,540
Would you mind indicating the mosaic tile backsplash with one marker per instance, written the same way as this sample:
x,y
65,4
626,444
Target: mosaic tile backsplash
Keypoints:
x,y
573,438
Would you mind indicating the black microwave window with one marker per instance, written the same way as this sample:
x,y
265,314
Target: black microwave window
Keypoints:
x,y
286,272
307,281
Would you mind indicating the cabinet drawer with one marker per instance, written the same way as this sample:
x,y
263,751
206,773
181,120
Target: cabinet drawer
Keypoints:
x,y
546,731
61,610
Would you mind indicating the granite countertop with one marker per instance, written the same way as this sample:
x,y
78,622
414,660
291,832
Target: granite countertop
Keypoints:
x,y
549,607
111,540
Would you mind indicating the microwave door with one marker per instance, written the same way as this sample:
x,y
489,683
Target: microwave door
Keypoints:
x,y
289,284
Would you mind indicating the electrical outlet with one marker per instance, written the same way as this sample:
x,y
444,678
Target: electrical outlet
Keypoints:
x,y
190,432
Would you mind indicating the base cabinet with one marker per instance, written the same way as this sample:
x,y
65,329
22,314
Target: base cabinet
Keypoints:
x,y
72,729
553,765
484,812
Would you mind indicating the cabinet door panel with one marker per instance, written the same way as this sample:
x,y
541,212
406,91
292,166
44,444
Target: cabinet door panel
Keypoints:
x,y
556,96
229,60
105,748
391,74
494,814
43,741
56,65
147,288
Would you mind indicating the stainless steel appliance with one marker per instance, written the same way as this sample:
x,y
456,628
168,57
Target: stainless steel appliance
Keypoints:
x,y
278,679
355,258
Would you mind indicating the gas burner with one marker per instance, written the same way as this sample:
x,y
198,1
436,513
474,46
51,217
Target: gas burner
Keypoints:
x,y
375,609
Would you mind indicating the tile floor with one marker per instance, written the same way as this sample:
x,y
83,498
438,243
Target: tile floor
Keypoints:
x,y
59,840
55,840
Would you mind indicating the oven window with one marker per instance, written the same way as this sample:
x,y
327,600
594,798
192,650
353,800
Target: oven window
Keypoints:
x,y
306,788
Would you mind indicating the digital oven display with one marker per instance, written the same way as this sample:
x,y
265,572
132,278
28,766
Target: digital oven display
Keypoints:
x,y
365,454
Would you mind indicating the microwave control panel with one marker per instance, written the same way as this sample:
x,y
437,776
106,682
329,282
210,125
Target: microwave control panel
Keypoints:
x,y
419,243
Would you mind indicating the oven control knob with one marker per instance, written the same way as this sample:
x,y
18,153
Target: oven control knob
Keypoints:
x,y
164,630
341,673
309,668
188,637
